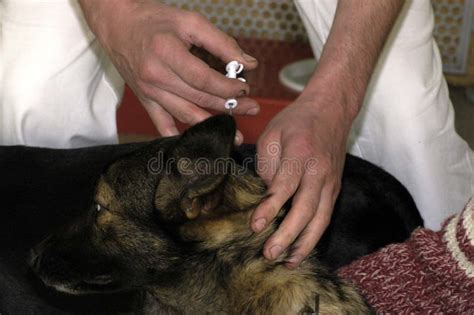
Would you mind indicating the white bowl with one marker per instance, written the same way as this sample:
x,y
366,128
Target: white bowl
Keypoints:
x,y
296,75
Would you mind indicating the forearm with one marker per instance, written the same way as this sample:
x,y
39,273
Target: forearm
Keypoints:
x,y
358,34
101,14
93,11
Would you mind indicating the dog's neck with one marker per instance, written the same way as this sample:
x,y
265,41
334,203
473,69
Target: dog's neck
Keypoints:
x,y
228,262
213,284
226,232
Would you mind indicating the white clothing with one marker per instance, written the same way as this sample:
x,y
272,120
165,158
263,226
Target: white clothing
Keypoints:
x,y
406,125
57,87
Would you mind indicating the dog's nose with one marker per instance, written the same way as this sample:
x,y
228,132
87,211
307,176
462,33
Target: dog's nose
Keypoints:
x,y
34,260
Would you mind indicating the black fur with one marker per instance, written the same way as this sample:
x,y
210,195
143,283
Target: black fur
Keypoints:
x,y
42,189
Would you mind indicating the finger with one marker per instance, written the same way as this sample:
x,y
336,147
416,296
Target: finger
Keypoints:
x,y
301,213
178,107
268,156
201,77
165,123
218,43
283,186
204,98
162,120
239,138
315,229
245,106
171,81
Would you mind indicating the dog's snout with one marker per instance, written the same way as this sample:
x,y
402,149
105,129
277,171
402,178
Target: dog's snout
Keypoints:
x,y
34,260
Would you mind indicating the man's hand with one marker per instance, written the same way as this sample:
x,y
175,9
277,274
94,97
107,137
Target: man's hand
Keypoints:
x,y
149,44
301,153
311,133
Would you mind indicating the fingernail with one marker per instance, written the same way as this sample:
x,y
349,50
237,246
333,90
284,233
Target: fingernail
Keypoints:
x,y
238,139
275,251
253,111
259,225
242,93
248,58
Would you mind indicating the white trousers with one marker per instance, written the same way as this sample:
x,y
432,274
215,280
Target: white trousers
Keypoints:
x,y
57,87
406,125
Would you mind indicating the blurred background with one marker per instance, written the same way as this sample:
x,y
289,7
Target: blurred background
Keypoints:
x,y
272,31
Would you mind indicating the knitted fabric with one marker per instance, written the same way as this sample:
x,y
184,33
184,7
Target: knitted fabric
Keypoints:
x,y
430,273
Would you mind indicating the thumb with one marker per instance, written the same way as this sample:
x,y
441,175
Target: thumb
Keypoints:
x,y
268,159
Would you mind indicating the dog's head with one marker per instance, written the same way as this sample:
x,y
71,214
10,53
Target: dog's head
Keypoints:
x,y
152,210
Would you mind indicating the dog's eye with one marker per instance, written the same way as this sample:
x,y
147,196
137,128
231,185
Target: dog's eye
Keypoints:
x,y
99,207
102,216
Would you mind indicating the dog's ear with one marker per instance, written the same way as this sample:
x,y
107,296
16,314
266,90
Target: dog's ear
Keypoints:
x,y
210,139
198,165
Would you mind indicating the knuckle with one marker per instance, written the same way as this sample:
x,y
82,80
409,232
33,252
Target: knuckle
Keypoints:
x,y
304,138
146,72
146,91
231,42
270,208
198,80
286,238
305,151
304,143
160,43
195,20
309,210
202,99
196,17
324,167
288,188
166,44
324,218
188,117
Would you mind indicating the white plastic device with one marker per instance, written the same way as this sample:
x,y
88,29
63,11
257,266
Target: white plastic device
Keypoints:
x,y
233,68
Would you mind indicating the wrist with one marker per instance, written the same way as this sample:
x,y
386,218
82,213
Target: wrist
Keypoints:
x,y
330,93
323,107
100,14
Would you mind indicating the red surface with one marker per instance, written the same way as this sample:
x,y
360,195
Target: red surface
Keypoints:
x,y
265,89
132,118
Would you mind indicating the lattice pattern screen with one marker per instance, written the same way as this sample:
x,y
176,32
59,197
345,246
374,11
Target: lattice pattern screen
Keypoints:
x,y
452,32
278,19
269,19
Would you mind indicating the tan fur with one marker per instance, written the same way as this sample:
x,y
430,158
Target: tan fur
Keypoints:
x,y
105,196
166,192
259,286
221,269
255,286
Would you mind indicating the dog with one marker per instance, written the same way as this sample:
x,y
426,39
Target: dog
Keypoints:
x,y
164,223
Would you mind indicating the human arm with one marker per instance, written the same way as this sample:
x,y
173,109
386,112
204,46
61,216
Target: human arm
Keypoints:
x,y
313,130
149,44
